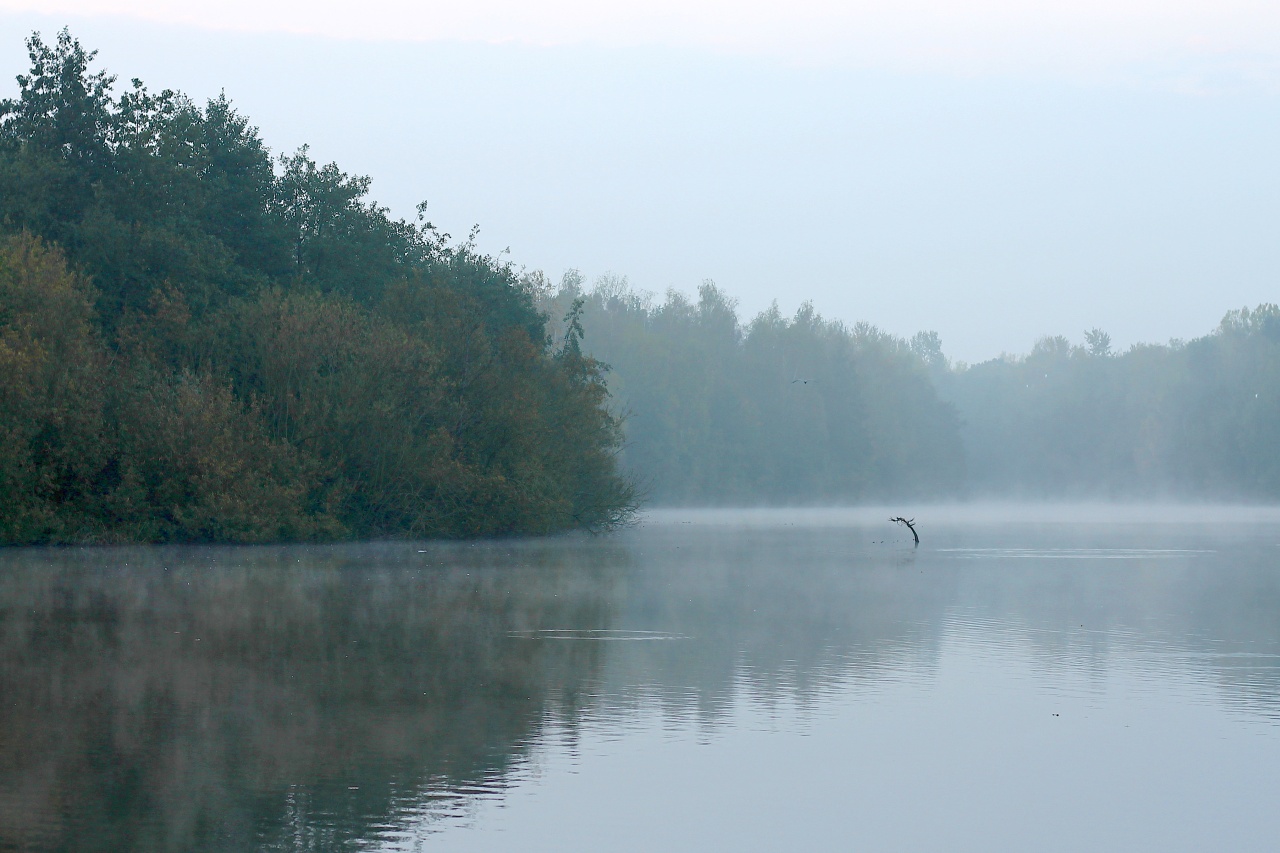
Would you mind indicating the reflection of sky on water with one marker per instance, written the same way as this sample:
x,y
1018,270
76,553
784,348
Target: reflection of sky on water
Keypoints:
x,y
680,687
983,753
987,744
1087,705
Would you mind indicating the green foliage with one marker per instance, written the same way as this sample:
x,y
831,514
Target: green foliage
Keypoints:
x,y
193,462
139,191
52,396
260,356
97,448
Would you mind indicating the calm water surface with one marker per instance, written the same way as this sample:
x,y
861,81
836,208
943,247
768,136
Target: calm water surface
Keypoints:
x,y
1024,680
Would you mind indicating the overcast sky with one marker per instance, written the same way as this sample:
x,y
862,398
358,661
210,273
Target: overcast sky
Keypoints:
x,y
992,170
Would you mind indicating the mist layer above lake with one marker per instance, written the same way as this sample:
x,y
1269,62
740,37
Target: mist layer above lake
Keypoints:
x,y
1084,678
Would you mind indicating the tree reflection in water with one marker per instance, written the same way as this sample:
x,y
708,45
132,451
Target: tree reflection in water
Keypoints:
x,y
222,698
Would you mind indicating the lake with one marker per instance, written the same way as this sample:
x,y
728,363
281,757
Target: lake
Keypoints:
x,y
1028,678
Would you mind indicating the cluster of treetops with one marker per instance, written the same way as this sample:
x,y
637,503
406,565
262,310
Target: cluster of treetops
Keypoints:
x,y
201,342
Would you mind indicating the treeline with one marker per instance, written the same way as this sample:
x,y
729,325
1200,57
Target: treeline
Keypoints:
x,y
201,342
1185,419
800,409
771,410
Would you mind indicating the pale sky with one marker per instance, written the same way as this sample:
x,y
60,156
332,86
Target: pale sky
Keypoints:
x,y
965,36
994,170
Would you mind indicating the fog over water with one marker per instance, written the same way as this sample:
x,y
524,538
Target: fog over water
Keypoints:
x,y
1089,677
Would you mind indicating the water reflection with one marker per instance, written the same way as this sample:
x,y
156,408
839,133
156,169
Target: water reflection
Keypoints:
x,y
376,696
237,698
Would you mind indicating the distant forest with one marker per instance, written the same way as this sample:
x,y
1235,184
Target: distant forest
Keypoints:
x,y
779,409
202,342
800,409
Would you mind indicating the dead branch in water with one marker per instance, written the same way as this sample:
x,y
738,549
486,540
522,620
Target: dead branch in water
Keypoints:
x,y
911,525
